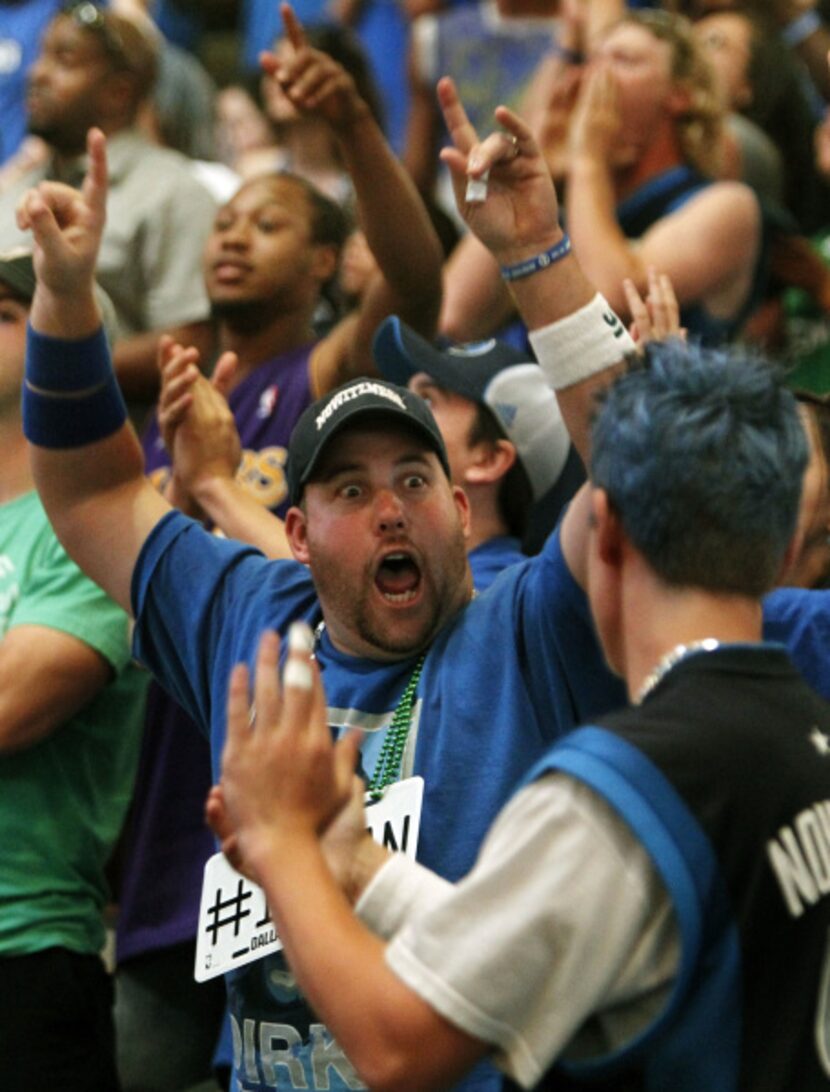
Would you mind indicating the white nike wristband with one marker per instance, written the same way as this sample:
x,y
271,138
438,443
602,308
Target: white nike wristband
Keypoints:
x,y
582,344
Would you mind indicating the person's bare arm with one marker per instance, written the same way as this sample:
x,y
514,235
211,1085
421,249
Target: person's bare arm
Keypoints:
x,y
654,317
707,247
605,253
390,210
95,494
239,515
46,677
476,300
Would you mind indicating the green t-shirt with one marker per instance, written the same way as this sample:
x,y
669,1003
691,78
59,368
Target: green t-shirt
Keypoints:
x,y
64,799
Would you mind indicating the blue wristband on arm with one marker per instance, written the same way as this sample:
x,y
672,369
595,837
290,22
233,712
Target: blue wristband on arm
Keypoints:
x,y
540,261
70,393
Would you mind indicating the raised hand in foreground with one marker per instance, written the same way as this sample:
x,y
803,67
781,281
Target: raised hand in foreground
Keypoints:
x,y
284,779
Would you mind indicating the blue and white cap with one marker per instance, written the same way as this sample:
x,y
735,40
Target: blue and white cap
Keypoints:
x,y
493,374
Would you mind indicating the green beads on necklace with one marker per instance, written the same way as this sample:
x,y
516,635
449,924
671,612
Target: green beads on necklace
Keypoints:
x,y
388,766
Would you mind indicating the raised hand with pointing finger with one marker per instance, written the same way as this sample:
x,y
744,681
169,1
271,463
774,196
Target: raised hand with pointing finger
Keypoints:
x,y
66,226
311,79
519,213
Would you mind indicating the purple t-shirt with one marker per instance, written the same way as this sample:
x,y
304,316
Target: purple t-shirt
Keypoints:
x,y
166,842
265,405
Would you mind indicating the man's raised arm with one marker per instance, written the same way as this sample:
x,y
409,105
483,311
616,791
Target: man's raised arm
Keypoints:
x,y
505,193
86,459
389,209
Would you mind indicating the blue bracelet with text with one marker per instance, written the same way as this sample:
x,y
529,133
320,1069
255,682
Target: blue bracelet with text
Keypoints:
x,y
537,263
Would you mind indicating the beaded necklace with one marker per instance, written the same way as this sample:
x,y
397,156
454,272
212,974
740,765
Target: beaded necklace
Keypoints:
x,y
388,765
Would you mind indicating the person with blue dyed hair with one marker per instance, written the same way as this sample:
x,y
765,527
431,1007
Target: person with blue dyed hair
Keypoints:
x,y
658,452
651,900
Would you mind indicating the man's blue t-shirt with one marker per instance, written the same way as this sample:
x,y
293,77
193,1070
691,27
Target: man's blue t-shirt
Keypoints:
x,y
492,557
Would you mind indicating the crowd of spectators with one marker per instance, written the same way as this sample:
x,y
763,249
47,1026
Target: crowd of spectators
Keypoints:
x,y
453,220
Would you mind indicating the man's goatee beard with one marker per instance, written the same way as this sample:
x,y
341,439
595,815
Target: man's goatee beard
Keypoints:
x,y
243,316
